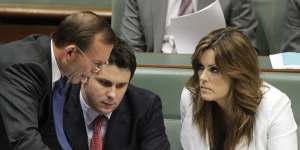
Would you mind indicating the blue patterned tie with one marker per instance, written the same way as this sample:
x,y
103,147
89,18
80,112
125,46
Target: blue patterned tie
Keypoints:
x,y
58,107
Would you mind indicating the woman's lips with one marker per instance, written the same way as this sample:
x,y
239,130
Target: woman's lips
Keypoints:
x,y
205,88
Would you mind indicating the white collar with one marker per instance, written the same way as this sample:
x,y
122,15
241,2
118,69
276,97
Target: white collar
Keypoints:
x,y
56,75
89,114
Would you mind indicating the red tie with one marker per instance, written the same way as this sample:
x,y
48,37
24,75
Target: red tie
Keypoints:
x,y
96,143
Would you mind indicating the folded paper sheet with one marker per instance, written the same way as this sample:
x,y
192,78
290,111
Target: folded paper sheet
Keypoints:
x,y
287,60
189,29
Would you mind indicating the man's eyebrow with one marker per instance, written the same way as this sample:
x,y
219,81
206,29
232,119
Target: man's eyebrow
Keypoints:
x,y
101,79
123,83
104,79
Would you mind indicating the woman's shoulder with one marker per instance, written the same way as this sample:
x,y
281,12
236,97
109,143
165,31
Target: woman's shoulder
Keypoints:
x,y
186,97
272,95
272,102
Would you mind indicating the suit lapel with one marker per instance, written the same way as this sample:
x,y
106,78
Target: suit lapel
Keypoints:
x,y
120,134
74,124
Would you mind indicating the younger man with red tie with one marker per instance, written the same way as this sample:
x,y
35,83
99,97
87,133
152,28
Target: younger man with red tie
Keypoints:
x,y
108,113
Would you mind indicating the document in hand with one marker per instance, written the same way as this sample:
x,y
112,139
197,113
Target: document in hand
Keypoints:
x,y
189,29
287,60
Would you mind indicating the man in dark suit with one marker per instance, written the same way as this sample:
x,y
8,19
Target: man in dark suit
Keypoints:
x,y
29,69
134,119
146,23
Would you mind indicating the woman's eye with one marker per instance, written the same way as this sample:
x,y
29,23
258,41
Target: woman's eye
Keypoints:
x,y
200,67
214,70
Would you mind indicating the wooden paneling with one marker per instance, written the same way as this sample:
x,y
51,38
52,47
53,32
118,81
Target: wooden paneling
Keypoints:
x,y
17,31
47,11
17,21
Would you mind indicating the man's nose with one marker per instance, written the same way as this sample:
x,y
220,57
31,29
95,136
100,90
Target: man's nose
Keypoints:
x,y
112,92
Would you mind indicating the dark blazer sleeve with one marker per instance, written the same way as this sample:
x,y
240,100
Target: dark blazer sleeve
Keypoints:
x,y
242,16
21,91
291,32
153,135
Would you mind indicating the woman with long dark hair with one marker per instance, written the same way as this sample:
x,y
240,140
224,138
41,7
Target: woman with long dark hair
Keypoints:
x,y
226,105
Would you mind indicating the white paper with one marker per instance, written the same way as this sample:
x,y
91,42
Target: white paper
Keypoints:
x,y
189,29
287,60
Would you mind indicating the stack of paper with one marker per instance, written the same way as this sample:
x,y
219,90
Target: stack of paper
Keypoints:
x,y
189,29
287,60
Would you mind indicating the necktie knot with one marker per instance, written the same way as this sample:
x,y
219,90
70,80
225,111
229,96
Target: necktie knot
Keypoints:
x,y
59,85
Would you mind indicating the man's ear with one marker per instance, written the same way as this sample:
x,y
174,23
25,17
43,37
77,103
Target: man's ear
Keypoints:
x,y
70,52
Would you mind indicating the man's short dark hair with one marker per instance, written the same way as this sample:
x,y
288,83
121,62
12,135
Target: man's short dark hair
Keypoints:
x,y
80,29
123,56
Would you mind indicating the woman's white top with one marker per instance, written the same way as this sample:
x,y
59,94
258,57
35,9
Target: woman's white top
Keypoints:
x,y
275,127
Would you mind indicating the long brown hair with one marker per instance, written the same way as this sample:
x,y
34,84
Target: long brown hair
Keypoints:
x,y
237,59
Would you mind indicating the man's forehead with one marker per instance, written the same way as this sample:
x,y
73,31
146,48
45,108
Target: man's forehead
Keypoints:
x,y
113,73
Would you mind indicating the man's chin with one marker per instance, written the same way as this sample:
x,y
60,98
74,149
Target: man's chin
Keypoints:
x,y
105,111
75,80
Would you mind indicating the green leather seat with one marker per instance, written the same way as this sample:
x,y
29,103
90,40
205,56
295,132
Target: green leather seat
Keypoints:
x,y
167,83
181,59
173,127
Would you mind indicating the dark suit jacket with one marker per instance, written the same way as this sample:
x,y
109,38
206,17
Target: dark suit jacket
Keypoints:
x,y
137,124
25,95
291,33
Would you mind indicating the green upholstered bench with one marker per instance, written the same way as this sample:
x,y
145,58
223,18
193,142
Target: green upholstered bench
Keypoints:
x,y
168,83
180,60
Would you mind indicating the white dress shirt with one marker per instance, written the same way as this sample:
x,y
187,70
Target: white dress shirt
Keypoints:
x,y
89,116
275,127
55,70
172,12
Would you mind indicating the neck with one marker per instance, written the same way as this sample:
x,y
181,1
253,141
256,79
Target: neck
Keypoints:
x,y
58,55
